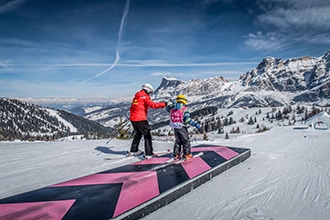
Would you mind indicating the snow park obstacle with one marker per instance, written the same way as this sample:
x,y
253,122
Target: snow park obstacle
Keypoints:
x,y
127,192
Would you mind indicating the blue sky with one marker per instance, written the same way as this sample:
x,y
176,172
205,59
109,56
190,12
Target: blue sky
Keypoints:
x,y
106,49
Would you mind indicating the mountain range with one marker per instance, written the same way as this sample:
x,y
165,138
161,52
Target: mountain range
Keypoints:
x,y
274,82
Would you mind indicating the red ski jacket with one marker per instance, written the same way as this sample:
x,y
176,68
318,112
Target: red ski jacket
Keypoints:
x,y
141,103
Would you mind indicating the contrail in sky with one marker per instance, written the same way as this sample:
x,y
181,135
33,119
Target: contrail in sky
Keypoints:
x,y
5,66
119,43
12,5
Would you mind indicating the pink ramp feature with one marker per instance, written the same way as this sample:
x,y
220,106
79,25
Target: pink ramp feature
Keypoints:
x,y
138,187
195,166
224,152
35,210
138,190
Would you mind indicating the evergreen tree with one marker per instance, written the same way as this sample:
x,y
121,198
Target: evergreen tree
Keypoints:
x,y
250,121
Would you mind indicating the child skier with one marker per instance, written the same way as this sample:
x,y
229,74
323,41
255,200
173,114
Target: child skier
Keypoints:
x,y
179,121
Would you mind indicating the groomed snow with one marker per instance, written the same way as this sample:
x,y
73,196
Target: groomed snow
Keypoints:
x,y
286,177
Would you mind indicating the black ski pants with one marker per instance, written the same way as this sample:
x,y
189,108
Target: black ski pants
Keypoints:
x,y
142,128
182,141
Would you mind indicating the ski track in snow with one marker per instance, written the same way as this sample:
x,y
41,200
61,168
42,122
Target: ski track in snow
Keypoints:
x,y
286,177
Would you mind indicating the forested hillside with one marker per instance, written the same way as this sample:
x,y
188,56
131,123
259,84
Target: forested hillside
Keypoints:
x,y
25,121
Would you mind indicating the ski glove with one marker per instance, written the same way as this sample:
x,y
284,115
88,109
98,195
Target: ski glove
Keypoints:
x,y
169,104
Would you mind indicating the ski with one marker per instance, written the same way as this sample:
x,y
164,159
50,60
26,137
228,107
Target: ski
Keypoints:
x,y
172,160
161,153
117,130
157,154
127,155
138,154
178,161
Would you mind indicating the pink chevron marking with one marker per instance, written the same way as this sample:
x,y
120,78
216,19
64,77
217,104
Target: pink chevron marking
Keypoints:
x,y
138,187
35,210
153,161
223,151
195,166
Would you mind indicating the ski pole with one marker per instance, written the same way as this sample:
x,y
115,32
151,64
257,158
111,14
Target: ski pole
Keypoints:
x,y
117,129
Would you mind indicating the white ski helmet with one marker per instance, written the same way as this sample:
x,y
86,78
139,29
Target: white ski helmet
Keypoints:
x,y
148,88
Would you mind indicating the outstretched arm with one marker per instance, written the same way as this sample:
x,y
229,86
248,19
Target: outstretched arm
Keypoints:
x,y
188,120
152,104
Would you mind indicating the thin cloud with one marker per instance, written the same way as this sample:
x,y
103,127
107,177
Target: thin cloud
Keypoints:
x,y
167,74
160,63
285,23
207,3
315,18
143,63
259,41
315,39
5,66
11,6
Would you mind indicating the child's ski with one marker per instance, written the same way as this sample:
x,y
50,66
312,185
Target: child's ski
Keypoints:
x,y
178,161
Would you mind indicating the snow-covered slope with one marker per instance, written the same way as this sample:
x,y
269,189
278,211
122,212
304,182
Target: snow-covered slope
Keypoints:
x,y
56,114
286,177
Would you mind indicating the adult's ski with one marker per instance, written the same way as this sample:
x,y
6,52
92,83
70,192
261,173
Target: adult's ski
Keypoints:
x,y
139,154
127,155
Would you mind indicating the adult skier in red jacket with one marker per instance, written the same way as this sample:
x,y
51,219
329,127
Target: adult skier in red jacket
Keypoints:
x,y
138,117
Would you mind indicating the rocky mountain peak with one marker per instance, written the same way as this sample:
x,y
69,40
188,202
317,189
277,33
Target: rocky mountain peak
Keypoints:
x,y
327,56
269,63
292,75
171,87
170,82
